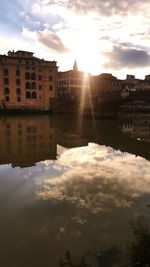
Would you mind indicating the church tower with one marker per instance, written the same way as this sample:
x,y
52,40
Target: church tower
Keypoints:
x,y
75,67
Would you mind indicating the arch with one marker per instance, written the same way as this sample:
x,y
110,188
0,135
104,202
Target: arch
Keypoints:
x,y
6,72
33,85
18,91
17,72
28,95
34,95
28,86
6,81
6,90
18,82
27,76
33,76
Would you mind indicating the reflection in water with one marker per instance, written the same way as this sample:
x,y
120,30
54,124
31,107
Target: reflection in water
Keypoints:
x,y
27,140
97,178
136,125
85,199
71,139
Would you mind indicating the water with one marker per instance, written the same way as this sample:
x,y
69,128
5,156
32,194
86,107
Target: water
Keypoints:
x,y
67,183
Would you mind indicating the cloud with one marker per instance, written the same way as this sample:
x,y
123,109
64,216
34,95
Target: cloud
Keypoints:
x,y
122,57
110,7
52,41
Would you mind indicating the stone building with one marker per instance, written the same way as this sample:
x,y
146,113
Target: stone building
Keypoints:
x,y
104,83
73,83
26,82
130,83
144,85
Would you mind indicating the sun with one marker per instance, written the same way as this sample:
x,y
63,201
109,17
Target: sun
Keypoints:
x,y
90,62
88,55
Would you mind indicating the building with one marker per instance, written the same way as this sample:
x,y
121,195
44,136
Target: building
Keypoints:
x,y
26,82
144,85
72,83
130,83
104,83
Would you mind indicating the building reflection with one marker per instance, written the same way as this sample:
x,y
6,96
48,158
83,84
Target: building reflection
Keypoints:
x,y
27,140
136,126
70,134
71,139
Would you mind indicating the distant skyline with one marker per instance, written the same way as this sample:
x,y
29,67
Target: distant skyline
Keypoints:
x,y
103,36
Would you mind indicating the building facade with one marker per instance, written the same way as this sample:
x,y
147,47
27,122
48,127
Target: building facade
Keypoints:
x,y
133,84
144,85
104,83
73,83
26,82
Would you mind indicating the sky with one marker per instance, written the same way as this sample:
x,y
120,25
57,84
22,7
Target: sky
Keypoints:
x,y
104,36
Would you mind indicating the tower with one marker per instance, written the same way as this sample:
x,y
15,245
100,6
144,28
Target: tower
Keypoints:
x,y
75,67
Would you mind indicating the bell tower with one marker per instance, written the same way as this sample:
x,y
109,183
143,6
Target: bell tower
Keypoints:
x,y
75,67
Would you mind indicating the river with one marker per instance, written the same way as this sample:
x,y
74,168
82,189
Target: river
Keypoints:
x,y
70,183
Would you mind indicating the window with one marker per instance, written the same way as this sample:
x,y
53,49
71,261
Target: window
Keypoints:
x,y
33,76
34,95
6,90
8,126
18,91
28,85
6,81
17,72
18,82
28,95
7,98
19,132
8,133
27,76
50,78
33,85
6,72
19,141
40,77
51,88
18,98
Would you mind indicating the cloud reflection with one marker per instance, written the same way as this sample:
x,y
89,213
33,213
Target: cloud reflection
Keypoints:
x,y
83,199
94,177
97,178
